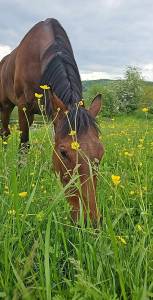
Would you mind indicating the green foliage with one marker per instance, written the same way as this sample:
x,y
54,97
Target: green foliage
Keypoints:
x,y
110,104
151,110
147,99
120,95
130,90
46,256
103,82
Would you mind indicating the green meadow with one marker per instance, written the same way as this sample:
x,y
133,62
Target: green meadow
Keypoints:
x,y
43,255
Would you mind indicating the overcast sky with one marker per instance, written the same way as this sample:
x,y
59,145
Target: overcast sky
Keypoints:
x,y
106,35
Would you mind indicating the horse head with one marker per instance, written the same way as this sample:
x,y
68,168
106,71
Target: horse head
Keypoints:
x,y
78,151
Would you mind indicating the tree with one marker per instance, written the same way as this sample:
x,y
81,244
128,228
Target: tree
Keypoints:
x,y
110,105
130,90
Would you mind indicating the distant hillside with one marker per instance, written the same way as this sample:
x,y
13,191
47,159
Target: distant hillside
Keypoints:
x,y
147,98
104,82
148,94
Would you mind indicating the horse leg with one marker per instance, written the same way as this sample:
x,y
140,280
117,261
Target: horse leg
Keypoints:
x,y
25,121
5,118
31,118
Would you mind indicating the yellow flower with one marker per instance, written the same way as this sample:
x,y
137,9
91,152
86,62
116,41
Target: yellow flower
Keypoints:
x,y
121,239
116,179
40,216
145,109
141,140
6,192
72,132
81,103
45,87
140,146
12,212
38,95
145,188
23,194
126,153
101,138
75,145
4,143
139,227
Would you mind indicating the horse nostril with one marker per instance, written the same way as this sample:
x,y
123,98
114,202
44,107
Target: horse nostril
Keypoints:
x,y
63,154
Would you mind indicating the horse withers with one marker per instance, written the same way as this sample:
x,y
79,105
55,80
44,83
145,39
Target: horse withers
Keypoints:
x,y
45,57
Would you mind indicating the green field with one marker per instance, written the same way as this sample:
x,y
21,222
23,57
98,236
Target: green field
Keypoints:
x,y
43,255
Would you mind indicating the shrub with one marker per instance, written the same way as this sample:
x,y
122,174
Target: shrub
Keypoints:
x,y
121,95
110,104
151,110
130,90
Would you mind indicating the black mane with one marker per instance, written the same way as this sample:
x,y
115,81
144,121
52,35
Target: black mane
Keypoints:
x,y
80,120
62,75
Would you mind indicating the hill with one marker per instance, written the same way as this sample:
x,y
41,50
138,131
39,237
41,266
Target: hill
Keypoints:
x,y
105,82
147,86
88,83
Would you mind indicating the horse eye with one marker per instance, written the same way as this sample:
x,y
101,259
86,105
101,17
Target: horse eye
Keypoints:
x,y
63,154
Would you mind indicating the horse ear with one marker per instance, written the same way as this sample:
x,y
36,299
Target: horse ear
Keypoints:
x,y
96,105
57,104
58,108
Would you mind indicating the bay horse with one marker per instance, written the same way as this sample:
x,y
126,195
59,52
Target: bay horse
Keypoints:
x,y
45,57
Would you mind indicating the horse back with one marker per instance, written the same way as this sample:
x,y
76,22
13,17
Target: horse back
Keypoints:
x,y
25,66
28,64
7,70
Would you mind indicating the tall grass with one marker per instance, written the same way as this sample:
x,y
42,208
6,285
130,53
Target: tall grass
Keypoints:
x,y
43,255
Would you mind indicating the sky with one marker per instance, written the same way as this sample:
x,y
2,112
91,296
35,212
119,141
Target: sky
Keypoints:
x,y
106,35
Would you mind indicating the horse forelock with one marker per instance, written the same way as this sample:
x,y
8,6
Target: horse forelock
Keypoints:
x,y
79,120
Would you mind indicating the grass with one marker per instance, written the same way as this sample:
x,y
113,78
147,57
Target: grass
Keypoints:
x,y
43,255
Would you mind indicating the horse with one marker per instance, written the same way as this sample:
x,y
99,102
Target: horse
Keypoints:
x,y
44,58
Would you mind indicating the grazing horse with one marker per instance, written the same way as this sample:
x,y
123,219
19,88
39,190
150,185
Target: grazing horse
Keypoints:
x,y
45,57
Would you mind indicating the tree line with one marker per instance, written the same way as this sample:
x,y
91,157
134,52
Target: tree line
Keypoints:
x,y
123,96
